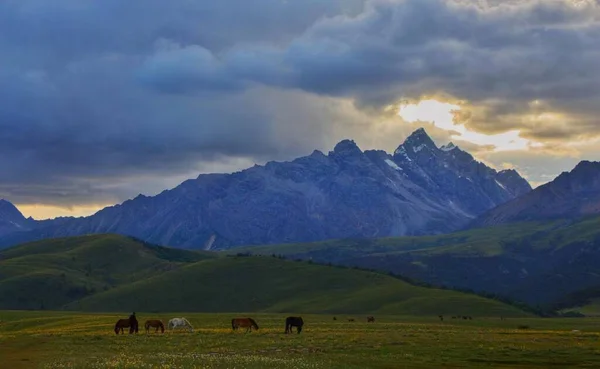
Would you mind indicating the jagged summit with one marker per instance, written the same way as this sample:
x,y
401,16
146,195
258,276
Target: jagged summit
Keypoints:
x,y
345,147
11,219
449,147
415,142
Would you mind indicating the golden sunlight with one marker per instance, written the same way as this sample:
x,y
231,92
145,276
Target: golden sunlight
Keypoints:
x,y
41,212
441,114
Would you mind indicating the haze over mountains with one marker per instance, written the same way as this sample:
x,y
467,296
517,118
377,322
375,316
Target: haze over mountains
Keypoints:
x,y
420,189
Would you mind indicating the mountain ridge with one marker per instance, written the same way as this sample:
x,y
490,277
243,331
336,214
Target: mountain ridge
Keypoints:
x,y
572,194
420,189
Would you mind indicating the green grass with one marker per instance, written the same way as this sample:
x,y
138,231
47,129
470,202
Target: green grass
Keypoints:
x,y
273,285
115,273
76,340
51,273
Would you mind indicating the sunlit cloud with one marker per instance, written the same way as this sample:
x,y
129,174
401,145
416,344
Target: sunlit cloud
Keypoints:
x,y
443,114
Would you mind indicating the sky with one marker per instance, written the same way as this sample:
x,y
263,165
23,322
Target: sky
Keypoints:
x,y
103,100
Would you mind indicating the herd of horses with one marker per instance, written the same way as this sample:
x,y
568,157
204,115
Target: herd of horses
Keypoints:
x,y
236,323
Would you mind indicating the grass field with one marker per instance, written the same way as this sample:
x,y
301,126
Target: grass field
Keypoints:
x,y
115,273
77,340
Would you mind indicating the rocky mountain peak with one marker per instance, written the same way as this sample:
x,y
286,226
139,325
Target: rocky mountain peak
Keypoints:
x,y
449,147
347,148
10,212
416,142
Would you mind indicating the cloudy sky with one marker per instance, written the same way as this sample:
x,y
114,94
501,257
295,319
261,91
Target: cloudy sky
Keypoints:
x,y
102,100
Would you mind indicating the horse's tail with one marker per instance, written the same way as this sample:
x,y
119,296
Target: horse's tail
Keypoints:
x,y
233,324
253,323
162,326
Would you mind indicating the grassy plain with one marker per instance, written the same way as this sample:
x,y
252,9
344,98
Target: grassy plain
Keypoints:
x,y
86,340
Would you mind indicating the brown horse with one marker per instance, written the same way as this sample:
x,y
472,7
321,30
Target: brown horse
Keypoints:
x,y
130,323
247,323
155,324
126,323
293,321
370,319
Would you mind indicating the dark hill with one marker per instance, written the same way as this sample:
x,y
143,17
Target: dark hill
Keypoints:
x,y
49,274
571,195
233,284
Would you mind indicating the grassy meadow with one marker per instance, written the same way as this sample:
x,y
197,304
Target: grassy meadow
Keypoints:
x,y
86,340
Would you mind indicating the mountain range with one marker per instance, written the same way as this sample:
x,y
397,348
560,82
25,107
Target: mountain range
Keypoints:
x,y
420,189
542,248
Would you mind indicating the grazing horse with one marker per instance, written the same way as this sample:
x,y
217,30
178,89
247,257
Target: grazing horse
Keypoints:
x,y
370,319
350,320
154,324
247,323
180,323
293,321
130,323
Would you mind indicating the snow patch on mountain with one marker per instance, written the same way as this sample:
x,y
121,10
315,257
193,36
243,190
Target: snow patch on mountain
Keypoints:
x,y
392,164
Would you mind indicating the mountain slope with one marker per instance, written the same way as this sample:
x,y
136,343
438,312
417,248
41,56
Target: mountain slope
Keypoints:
x,y
273,285
571,195
11,219
421,189
535,262
48,274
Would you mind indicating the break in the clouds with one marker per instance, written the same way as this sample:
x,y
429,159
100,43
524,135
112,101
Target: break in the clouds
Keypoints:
x,y
102,100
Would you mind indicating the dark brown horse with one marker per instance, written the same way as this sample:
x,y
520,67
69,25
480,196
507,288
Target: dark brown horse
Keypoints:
x,y
130,323
247,323
370,319
155,324
293,321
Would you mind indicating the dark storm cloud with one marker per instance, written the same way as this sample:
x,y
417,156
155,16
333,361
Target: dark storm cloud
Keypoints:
x,y
99,92
511,54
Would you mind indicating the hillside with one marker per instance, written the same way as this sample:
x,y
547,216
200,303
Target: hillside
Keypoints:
x,y
266,284
419,189
570,196
535,262
49,274
116,273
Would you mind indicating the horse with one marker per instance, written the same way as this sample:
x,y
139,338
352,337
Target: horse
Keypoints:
x,y
180,323
126,323
350,320
247,323
293,321
370,319
154,324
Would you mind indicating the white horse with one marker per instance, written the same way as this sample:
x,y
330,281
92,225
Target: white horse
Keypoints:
x,y
180,323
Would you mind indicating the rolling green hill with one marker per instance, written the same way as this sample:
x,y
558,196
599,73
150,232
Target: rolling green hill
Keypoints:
x,y
267,284
49,274
115,273
535,262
